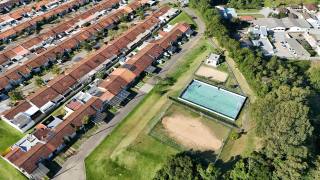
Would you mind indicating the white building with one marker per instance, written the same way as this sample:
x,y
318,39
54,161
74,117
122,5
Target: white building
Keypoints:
x,y
213,60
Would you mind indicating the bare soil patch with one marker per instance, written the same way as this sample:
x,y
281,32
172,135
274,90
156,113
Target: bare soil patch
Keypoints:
x,y
212,73
190,132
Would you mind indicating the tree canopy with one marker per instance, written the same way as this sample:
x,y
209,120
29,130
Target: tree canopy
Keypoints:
x,y
185,166
246,4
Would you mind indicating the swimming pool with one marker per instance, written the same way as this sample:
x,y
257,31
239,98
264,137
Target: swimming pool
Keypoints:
x,y
213,99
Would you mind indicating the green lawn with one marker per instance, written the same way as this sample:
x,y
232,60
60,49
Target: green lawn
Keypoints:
x,y
8,136
183,17
129,152
247,11
8,172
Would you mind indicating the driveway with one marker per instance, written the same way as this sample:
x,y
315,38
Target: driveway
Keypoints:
x,y
74,167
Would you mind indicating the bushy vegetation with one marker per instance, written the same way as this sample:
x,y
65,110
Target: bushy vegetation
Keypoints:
x,y
282,112
188,165
246,4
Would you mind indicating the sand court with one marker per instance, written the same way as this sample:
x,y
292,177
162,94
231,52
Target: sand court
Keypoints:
x,y
212,73
191,133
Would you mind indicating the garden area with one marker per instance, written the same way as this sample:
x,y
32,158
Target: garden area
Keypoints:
x,y
8,136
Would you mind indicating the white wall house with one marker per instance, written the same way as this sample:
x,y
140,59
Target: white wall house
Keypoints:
x,y
213,60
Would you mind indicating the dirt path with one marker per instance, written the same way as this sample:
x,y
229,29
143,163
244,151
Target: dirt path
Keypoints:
x,y
191,133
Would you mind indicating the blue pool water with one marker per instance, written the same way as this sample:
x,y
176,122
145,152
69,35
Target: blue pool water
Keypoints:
x,y
212,98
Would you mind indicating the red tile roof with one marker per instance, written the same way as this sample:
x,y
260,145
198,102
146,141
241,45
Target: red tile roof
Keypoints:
x,y
8,33
74,105
3,59
4,81
62,83
43,96
79,71
95,60
21,107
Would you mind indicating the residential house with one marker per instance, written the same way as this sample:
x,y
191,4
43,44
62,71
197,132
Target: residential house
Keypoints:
x,y
310,8
22,116
28,158
64,85
45,99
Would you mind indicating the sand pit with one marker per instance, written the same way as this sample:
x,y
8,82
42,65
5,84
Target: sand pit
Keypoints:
x,y
191,133
212,74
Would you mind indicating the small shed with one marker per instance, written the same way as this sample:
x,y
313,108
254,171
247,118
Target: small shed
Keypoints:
x,y
213,60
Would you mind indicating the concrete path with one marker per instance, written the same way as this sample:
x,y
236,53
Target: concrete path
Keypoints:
x,y
74,167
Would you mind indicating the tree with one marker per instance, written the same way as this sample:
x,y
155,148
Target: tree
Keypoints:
x,y
186,166
314,76
15,95
254,167
314,172
246,4
100,75
85,121
39,81
56,69
140,13
282,119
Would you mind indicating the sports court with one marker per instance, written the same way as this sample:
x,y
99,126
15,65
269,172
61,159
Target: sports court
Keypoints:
x,y
212,74
214,99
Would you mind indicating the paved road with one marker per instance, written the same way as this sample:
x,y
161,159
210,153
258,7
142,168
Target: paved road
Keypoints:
x,y
74,167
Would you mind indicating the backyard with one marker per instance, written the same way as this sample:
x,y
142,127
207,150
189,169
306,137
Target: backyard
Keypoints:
x,y
129,152
8,136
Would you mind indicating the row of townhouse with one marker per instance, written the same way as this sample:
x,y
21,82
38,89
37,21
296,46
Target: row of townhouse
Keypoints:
x,y
113,90
27,113
26,13
31,25
29,155
23,72
39,43
7,5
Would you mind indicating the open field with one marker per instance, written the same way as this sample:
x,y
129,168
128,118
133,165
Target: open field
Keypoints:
x,y
183,17
212,73
129,152
182,128
8,136
8,172
244,11
272,3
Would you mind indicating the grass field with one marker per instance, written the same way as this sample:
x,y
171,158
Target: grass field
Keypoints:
x,y
160,133
243,11
8,172
129,152
253,15
8,136
275,3
183,17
